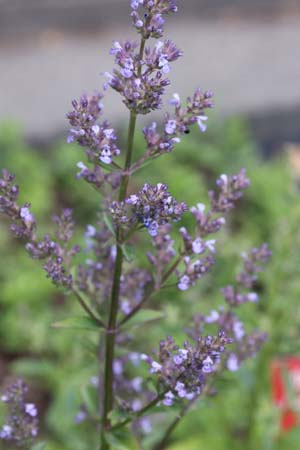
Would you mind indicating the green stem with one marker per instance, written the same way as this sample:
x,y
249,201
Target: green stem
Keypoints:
x,y
171,269
114,302
141,412
136,308
112,327
87,309
161,445
150,293
125,178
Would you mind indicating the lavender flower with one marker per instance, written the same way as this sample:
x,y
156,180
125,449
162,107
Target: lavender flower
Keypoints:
x,y
21,423
194,270
185,371
247,277
141,82
98,138
231,189
151,24
54,251
179,123
97,177
152,206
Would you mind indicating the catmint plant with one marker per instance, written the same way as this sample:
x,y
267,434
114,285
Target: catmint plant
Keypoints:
x,y
110,286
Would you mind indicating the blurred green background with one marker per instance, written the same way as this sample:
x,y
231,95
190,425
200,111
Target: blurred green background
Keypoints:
x,y
57,363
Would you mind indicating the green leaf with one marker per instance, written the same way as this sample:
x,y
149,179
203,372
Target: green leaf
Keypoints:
x,y
39,446
90,398
115,442
118,415
144,315
91,347
121,440
109,223
78,323
128,251
151,384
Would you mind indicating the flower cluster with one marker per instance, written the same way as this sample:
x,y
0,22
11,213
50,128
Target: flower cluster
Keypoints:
x,y
231,189
151,207
179,123
207,223
24,221
139,75
98,138
236,295
151,23
140,81
21,424
55,252
97,177
183,372
245,345
194,270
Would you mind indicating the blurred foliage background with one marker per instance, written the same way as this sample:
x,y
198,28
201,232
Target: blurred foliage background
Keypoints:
x,y
58,364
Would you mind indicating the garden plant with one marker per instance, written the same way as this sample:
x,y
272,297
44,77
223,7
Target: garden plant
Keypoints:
x,y
137,388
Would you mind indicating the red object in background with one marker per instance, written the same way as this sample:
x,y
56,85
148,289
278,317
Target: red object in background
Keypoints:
x,y
285,380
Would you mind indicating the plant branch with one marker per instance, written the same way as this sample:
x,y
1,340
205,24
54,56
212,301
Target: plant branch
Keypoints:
x,y
86,307
141,412
161,445
150,293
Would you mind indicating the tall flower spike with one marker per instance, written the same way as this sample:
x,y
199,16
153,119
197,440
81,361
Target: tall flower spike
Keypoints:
x,y
151,23
140,73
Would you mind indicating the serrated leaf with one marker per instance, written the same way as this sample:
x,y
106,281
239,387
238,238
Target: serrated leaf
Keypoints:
x,y
39,446
143,316
78,323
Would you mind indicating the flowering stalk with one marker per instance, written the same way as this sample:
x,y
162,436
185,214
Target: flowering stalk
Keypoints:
x,y
114,304
113,292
